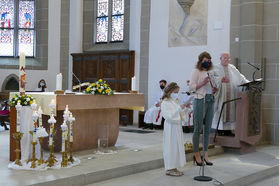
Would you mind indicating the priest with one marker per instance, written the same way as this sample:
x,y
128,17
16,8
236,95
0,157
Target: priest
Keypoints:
x,y
228,79
153,114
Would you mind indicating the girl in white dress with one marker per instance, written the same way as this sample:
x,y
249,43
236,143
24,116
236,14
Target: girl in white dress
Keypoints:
x,y
173,143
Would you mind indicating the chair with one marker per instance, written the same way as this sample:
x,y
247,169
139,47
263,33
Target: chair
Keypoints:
x,y
4,115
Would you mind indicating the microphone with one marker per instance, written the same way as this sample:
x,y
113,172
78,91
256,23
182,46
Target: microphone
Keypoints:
x,y
78,80
257,68
254,66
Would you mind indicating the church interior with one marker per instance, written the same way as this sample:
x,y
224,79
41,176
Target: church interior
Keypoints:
x,y
84,84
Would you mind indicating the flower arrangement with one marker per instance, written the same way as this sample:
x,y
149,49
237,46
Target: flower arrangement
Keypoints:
x,y
24,100
99,87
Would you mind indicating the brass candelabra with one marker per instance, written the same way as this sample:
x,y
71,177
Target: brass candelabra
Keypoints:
x,y
64,162
51,160
71,159
41,160
18,136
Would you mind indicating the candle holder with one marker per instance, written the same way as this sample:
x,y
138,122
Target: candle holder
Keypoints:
x,y
64,162
71,159
51,160
41,161
33,159
18,136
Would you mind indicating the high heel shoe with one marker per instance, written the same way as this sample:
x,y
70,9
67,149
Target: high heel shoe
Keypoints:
x,y
195,161
208,162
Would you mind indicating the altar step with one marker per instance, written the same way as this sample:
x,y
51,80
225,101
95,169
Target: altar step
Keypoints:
x,y
114,166
254,169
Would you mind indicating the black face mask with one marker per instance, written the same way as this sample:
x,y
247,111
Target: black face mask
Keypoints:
x,y
162,87
206,64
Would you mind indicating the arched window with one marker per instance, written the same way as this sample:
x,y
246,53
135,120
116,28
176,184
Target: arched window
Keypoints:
x,y
17,27
109,21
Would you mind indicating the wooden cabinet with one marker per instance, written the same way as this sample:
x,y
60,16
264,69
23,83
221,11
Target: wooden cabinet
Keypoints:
x,y
114,67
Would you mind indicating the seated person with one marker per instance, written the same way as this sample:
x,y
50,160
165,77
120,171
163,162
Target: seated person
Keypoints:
x,y
153,114
42,86
4,115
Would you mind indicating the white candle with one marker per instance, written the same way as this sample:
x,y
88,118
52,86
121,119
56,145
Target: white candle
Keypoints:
x,y
51,134
18,107
133,83
59,81
40,112
52,106
34,136
64,129
71,127
22,73
63,142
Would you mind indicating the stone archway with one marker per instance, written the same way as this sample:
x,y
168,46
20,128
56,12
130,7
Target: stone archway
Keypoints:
x,y
10,84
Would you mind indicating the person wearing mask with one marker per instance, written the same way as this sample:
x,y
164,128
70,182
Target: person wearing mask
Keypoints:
x,y
173,141
42,87
153,114
203,105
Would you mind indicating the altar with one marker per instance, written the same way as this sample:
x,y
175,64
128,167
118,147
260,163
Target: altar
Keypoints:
x,y
94,114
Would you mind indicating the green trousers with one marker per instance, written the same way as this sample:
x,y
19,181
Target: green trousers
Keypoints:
x,y
203,115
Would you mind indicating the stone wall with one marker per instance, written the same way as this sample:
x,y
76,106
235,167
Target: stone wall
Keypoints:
x,y
256,24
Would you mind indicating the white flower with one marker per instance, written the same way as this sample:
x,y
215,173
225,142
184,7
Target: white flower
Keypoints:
x,y
28,99
25,103
94,89
93,92
102,87
16,98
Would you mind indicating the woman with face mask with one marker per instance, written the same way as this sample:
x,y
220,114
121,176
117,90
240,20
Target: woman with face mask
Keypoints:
x,y
42,87
173,143
203,105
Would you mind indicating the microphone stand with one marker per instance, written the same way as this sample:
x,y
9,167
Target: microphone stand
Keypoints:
x,y
254,71
78,81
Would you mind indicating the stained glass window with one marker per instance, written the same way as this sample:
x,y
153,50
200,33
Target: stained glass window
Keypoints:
x,y
110,21
12,44
26,42
117,28
6,42
102,29
26,14
117,7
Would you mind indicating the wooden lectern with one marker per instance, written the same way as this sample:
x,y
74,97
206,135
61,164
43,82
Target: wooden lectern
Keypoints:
x,y
248,129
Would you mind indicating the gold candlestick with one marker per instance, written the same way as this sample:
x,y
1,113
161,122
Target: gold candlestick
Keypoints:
x,y
33,159
51,160
64,162
18,136
71,159
41,161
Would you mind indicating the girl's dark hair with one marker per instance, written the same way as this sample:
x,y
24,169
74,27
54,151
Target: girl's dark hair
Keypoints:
x,y
171,87
39,86
199,63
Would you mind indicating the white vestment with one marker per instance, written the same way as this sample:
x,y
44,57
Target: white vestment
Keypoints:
x,y
228,117
152,115
173,142
185,99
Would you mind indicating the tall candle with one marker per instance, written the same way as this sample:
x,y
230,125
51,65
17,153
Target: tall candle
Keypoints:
x,y
34,136
59,81
64,129
72,119
51,121
133,83
22,73
52,106
40,112
18,107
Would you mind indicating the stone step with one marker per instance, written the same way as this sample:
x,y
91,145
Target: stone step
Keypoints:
x,y
85,178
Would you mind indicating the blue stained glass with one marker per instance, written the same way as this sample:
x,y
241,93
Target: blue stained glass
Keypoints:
x,y
117,7
26,42
102,8
26,14
102,30
117,28
7,13
6,42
